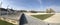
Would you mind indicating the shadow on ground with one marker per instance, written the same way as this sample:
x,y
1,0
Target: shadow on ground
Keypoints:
x,y
23,20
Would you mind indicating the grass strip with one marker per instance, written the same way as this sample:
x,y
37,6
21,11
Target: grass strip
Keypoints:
x,y
5,23
42,17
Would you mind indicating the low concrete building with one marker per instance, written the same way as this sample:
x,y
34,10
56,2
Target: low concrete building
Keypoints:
x,y
4,11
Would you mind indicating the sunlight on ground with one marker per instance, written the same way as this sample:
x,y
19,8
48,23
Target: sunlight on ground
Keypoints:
x,y
42,17
5,23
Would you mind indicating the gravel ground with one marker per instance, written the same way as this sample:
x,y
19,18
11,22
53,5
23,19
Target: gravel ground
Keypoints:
x,y
34,21
54,20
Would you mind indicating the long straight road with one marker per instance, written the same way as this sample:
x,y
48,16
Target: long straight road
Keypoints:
x,y
31,21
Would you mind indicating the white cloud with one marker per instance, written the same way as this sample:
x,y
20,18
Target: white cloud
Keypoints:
x,y
1,0
5,3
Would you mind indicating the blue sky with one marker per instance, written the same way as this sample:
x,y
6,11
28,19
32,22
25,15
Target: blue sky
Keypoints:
x,y
32,4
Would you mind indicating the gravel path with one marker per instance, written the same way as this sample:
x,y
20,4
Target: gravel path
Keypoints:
x,y
34,21
54,19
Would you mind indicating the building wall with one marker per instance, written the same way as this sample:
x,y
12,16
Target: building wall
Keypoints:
x,y
3,12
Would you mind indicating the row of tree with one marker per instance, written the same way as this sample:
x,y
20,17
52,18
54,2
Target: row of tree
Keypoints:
x,y
32,11
47,11
50,10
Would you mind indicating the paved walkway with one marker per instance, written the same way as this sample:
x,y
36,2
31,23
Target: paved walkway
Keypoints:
x,y
34,21
54,19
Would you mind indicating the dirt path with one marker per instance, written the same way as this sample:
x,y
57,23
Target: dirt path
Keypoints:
x,y
34,21
54,19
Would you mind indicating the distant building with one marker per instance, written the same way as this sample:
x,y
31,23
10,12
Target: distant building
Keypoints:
x,y
4,11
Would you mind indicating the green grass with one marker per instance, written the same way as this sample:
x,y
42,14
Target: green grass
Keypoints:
x,y
42,17
5,23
